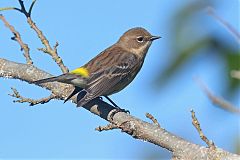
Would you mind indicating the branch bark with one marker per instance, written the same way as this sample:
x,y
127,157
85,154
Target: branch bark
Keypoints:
x,y
138,129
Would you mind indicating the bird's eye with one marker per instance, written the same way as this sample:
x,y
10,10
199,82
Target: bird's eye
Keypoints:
x,y
140,39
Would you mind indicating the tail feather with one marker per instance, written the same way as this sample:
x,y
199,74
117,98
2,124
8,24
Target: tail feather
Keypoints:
x,y
81,98
51,79
75,91
85,99
64,78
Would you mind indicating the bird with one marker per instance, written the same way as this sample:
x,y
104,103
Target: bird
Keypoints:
x,y
111,70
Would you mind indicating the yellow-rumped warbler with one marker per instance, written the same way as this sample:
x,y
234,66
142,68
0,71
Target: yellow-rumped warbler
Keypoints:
x,y
111,70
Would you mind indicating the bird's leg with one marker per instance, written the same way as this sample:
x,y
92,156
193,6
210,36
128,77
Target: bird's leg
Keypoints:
x,y
111,101
116,106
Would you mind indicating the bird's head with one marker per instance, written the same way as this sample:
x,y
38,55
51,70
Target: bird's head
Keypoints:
x,y
137,40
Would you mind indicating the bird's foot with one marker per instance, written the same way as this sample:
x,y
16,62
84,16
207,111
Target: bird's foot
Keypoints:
x,y
117,110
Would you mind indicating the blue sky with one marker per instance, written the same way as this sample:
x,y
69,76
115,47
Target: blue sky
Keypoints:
x,y
83,29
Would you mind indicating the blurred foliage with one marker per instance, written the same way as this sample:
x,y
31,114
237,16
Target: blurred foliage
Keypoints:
x,y
194,32
192,35
237,146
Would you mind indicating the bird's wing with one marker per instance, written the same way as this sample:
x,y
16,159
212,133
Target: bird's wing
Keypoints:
x,y
103,81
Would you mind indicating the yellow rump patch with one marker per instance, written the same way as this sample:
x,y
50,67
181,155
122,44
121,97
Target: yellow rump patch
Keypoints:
x,y
81,71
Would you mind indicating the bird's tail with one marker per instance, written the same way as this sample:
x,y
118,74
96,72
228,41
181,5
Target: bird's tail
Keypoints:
x,y
51,79
64,78
75,91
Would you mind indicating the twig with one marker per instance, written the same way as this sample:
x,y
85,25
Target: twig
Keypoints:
x,y
31,7
48,49
202,136
235,74
226,25
9,8
23,9
154,120
107,127
17,37
31,102
217,100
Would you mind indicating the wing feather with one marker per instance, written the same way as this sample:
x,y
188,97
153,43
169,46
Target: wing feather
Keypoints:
x,y
103,82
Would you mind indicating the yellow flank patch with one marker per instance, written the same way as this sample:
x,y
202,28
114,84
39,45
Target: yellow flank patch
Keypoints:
x,y
81,71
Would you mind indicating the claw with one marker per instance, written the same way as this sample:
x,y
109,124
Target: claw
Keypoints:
x,y
118,110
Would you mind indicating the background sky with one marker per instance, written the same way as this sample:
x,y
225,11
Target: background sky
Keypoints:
x,y
85,28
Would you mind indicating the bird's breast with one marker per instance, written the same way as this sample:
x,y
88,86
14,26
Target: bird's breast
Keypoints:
x,y
80,82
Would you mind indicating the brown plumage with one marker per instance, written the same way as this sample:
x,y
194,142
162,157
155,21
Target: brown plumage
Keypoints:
x,y
111,70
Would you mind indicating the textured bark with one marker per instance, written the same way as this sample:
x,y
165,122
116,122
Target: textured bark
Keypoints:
x,y
180,148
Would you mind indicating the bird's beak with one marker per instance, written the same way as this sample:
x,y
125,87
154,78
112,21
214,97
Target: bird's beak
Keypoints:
x,y
154,38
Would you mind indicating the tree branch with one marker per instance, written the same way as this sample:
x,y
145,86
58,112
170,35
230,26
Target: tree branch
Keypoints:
x,y
154,120
31,102
17,37
48,49
222,103
182,149
202,136
31,7
224,23
106,128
